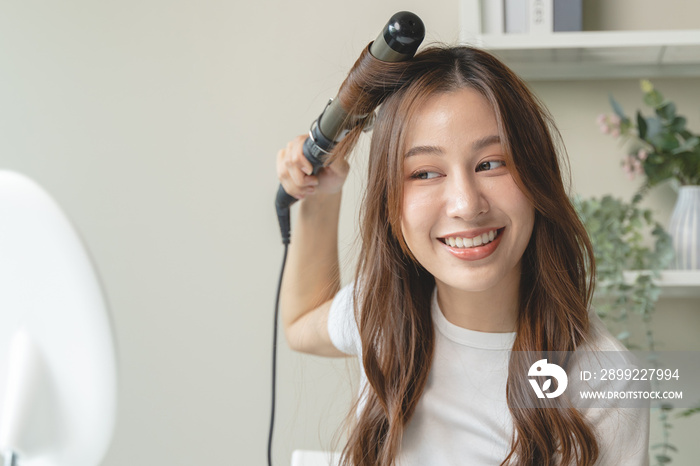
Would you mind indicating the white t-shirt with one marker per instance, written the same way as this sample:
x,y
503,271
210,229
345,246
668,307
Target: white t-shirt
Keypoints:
x,y
462,416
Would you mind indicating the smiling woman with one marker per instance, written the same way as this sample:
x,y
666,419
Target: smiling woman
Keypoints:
x,y
472,254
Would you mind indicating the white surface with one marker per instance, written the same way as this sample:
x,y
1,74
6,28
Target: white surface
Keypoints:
x,y
23,379
50,290
599,55
314,458
685,229
472,17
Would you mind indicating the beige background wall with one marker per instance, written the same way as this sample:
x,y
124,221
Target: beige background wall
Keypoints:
x,y
155,124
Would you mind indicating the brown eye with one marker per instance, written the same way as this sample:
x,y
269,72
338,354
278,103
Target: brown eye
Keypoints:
x,y
490,165
424,175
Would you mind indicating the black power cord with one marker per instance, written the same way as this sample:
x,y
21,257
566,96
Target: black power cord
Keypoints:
x,y
274,358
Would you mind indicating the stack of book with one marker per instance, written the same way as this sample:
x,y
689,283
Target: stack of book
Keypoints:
x,y
530,16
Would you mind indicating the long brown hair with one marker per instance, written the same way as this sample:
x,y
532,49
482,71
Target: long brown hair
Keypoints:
x,y
394,295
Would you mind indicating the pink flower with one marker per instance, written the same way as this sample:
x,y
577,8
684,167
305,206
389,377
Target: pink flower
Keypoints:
x,y
642,154
626,166
602,119
638,168
615,132
604,129
629,166
615,120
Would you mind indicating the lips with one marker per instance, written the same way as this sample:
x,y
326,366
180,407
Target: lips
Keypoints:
x,y
478,249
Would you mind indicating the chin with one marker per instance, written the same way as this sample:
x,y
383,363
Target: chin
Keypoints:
x,y
471,283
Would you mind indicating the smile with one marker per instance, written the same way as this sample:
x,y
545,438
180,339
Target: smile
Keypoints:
x,y
475,247
465,243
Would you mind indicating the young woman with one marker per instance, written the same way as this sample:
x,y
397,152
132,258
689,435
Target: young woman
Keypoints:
x,y
471,253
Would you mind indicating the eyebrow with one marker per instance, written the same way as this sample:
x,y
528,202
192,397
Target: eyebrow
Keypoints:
x,y
437,150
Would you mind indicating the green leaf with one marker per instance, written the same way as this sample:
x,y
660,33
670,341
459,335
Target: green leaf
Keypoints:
x,y
653,99
666,142
641,125
688,145
653,128
667,446
617,108
678,124
689,412
663,459
667,111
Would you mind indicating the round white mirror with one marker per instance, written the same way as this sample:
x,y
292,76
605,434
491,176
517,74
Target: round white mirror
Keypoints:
x,y
58,377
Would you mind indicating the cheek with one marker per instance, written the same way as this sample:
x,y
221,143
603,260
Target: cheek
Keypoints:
x,y
418,213
524,211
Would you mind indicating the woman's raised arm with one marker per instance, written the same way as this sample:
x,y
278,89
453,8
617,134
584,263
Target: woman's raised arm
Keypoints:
x,y
311,277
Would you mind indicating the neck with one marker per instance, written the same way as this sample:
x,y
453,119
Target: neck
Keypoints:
x,y
494,310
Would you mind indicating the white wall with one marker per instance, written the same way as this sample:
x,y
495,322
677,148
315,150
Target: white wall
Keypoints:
x,y
155,124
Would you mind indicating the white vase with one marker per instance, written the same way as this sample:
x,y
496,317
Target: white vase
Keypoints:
x,y
685,228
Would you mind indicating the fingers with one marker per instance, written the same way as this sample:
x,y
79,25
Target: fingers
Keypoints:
x,y
295,147
293,170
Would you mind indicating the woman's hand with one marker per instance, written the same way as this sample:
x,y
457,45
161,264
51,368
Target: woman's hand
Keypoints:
x,y
293,172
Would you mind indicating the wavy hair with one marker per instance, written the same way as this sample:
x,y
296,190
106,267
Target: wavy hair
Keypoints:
x,y
393,302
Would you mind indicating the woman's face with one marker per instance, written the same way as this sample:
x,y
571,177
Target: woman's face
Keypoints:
x,y
463,217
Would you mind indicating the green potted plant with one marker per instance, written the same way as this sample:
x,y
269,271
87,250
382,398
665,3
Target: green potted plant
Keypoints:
x,y
617,231
660,147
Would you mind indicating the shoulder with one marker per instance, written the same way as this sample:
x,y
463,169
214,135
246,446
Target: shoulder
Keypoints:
x,y
602,351
599,337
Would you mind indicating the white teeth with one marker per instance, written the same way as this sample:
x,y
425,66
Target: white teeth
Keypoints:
x,y
471,242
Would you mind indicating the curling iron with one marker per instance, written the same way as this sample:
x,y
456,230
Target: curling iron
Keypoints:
x,y
397,42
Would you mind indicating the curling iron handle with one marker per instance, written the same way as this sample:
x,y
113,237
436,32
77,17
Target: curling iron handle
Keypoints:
x,y
284,200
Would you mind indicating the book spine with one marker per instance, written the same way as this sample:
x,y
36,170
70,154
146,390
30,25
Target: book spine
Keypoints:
x,y
568,15
541,16
492,16
517,16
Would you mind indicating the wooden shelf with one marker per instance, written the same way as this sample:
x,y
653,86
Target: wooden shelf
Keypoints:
x,y
596,54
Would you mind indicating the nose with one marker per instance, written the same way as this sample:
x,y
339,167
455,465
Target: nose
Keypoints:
x,y
465,199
